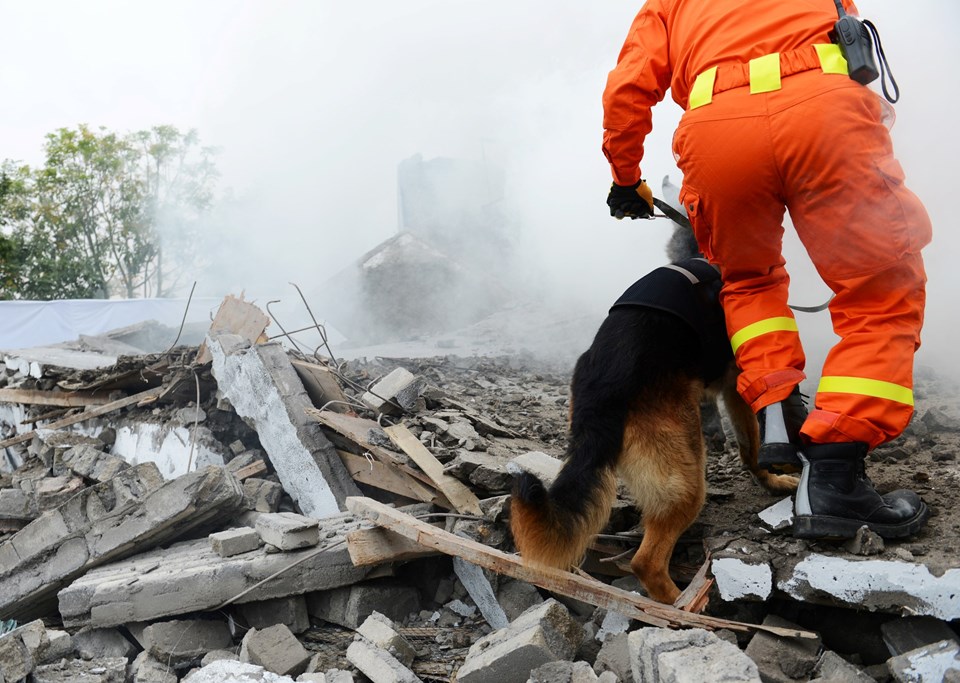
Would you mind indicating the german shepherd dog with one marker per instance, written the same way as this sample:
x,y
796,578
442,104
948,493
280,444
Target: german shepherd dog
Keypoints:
x,y
635,412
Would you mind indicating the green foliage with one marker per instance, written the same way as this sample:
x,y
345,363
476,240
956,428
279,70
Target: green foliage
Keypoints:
x,y
97,217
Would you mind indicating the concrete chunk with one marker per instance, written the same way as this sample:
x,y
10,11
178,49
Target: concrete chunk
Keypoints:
x,y
479,588
226,671
835,669
146,669
290,611
17,504
927,663
182,642
266,392
542,634
350,605
716,661
276,649
378,665
100,643
16,659
191,577
909,633
234,541
107,670
91,463
380,631
783,659
288,531
396,392
105,525
543,466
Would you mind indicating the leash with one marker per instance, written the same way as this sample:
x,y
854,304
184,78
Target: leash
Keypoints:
x,y
684,222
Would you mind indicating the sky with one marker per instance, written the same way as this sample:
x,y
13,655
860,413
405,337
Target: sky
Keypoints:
x,y
314,103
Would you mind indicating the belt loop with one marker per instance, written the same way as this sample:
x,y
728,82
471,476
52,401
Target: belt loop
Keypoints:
x,y
702,91
765,73
831,58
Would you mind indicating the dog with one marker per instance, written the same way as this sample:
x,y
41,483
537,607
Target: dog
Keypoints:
x,y
635,412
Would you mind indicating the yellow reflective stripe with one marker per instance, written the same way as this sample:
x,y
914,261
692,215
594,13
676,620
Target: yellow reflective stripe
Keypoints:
x,y
831,58
866,387
702,91
749,332
765,73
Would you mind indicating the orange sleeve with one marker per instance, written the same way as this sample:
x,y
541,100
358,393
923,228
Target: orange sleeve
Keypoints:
x,y
640,80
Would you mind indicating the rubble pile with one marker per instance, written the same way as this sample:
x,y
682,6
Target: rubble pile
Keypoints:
x,y
238,511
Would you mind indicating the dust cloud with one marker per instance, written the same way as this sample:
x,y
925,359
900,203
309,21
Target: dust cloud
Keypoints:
x,y
315,104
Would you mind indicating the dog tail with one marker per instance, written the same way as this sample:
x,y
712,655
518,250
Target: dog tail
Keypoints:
x,y
554,527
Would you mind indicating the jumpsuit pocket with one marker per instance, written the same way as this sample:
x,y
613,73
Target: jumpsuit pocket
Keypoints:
x,y
916,222
690,200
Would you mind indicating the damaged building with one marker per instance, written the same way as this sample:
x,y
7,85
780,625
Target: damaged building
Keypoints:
x,y
230,508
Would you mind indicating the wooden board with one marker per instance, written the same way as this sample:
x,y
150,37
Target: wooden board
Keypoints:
x,y
235,316
322,386
463,499
377,474
143,396
64,399
565,583
377,545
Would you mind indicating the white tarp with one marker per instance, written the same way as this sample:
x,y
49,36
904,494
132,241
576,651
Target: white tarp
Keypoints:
x,y
24,324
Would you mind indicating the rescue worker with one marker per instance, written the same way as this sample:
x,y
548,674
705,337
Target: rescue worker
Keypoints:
x,y
773,122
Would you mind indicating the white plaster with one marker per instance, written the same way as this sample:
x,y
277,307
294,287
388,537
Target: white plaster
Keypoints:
x,y
779,515
931,662
251,391
614,623
167,447
228,671
737,579
877,584
12,415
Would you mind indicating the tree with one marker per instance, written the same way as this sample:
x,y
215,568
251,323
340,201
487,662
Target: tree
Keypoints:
x,y
94,219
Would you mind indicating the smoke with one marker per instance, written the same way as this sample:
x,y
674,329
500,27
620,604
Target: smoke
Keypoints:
x,y
315,104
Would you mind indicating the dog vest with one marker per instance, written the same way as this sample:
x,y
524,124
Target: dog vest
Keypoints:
x,y
690,290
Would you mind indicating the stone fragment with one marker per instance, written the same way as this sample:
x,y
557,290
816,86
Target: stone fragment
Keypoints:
x,y
378,665
184,642
146,669
563,672
17,504
381,631
480,590
16,659
516,597
275,649
657,655
396,392
234,541
218,655
290,611
92,463
865,542
288,530
835,669
778,516
927,663
108,670
909,633
100,643
783,659
544,467
614,656
262,495
542,634
350,605
266,392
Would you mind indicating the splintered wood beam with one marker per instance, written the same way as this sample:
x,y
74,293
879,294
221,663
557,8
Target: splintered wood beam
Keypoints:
x,y
63,399
378,545
587,590
386,478
462,498
143,397
235,316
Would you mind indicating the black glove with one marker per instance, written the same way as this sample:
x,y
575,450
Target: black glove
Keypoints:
x,y
633,201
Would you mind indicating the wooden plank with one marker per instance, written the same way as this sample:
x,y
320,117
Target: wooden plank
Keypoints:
x,y
587,590
322,386
144,396
374,473
357,431
456,492
235,316
377,546
51,398
253,469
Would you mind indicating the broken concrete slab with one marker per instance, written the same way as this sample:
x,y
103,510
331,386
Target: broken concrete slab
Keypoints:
x,y
91,463
191,577
542,634
543,466
107,670
480,590
182,642
146,669
99,643
266,392
781,660
288,530
738,578
835,669
290,611
276,649
351,605
395,393
16,656
910,633
378,665
567,672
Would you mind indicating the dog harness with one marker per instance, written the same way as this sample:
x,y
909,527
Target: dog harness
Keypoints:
x,y
690,290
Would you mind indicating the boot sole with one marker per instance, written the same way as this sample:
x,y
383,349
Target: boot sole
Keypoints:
x,y
779,458
827,527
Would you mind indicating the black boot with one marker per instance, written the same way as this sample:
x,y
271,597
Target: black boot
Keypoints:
x,y
835,497
780,425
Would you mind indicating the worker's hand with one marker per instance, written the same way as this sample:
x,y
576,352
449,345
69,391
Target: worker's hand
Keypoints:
x,y
631,201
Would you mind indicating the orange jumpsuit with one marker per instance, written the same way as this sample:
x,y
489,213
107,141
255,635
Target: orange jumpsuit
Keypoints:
x,y
773,123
